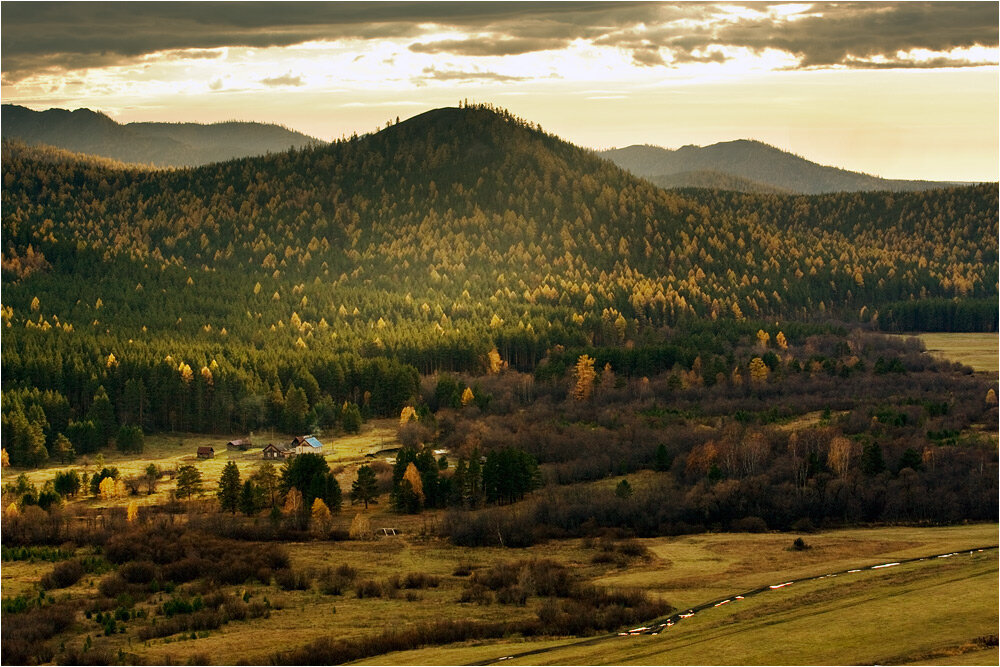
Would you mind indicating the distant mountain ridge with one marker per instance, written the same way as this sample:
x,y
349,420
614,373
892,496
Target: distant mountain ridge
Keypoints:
x,y
158,144
764,166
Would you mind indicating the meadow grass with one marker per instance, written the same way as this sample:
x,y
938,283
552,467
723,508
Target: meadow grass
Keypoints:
x,y
917,610
979,351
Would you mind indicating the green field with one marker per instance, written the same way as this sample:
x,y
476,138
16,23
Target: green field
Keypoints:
x,y
976,350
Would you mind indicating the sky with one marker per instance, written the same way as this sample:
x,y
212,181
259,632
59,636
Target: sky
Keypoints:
x,y
900,90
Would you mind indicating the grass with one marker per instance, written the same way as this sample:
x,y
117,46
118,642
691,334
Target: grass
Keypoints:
x,y
924,611
976,350
919,610
171,450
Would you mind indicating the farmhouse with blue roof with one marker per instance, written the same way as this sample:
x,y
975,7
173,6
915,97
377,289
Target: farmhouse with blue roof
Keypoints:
x,y
305,444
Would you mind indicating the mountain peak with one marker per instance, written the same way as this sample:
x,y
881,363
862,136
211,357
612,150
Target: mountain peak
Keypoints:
x,y
750,160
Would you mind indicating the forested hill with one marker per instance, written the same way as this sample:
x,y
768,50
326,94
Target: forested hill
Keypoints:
x,y
159,144
459,229
756,161
714,180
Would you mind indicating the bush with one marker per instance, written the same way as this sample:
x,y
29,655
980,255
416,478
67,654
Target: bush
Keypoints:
x,y
369,588
63,575
138,572
290,580
800,545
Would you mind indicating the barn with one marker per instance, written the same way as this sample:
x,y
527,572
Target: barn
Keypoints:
x,y
239,445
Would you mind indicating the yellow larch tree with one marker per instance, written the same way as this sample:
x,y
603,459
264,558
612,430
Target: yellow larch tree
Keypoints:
x,y
322,520
412,475
585,375
407,414
758,371
467,396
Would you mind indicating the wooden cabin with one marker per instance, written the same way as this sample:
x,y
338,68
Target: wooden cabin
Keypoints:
x,y
239,445
274,452
206,452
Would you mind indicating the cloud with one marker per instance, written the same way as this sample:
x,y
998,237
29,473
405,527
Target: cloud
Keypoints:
x,y
283,80
493,45
452,75
58,37
215,85
861,35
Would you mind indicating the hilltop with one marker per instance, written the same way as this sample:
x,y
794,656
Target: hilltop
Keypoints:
x,y
159,144
765,166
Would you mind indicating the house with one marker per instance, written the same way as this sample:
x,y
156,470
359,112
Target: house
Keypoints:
x,y
206,452
273,452
305,444
240,445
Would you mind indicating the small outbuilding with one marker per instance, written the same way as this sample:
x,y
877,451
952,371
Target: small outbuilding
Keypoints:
x,y
206,452
239,445
273,452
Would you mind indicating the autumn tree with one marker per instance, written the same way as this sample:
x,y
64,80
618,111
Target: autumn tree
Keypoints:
x,y
758,371
293,502
321,519
361,528
407,414
585,374
408,496
839,455
132,512
467,396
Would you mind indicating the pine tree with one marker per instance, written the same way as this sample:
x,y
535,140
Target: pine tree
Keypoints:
x,y
229,488
188,481
365,487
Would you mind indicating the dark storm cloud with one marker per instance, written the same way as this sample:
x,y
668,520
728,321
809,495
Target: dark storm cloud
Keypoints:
x,y
847,34
496,45
76,35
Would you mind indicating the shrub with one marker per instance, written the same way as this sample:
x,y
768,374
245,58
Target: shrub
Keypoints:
x,y
290,580
138,572
63,575
369,588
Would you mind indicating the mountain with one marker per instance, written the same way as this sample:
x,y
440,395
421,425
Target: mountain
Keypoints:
x,y
427,246
479,215
760,163
159,144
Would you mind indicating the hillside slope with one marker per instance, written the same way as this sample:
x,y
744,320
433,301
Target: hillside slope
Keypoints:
x,y
159,144
757,162
468,227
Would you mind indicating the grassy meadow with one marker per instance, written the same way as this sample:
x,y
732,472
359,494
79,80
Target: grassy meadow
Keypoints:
x,y
921,611
979,351
931,612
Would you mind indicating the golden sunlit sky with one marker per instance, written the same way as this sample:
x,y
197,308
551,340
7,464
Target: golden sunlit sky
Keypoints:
x,y
900,90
